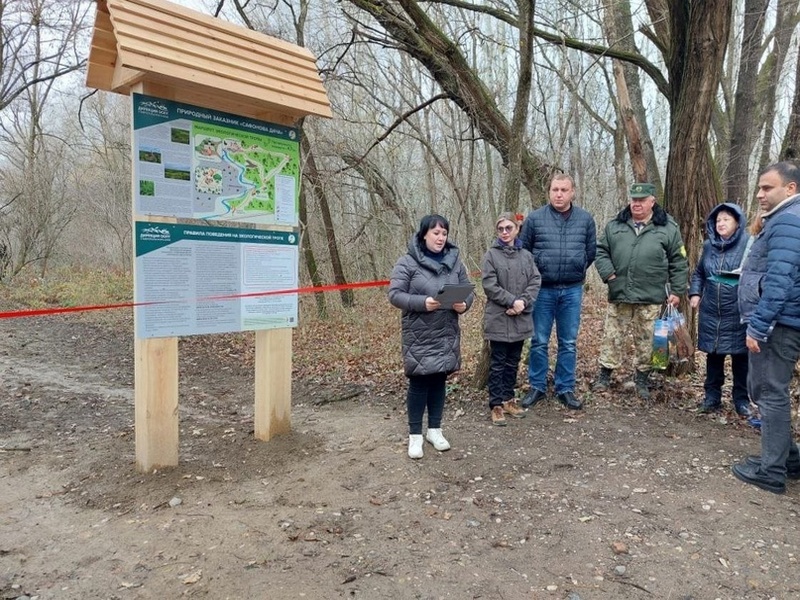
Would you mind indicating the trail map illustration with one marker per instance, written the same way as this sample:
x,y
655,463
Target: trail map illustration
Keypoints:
x,y
198,163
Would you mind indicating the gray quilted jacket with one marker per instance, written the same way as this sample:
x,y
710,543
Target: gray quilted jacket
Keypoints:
x,y
431,340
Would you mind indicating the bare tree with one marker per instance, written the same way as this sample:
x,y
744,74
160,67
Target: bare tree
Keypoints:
x,y
42,172
791,141
744,132
618,25
410,27
105,135
38,43
691,36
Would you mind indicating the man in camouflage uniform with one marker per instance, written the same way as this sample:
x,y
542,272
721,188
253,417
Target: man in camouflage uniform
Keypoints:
x,y
639,252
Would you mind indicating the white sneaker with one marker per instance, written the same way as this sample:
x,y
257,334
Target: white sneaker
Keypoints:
x,y
435,437
415,445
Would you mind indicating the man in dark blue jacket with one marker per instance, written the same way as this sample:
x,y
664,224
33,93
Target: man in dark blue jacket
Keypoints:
x,y
769,302
563,240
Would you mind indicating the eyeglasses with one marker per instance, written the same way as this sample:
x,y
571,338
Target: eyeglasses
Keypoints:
x,y
505,228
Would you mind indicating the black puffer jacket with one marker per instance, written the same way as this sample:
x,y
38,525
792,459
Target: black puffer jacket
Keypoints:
x,y
431,339
563,248
719,329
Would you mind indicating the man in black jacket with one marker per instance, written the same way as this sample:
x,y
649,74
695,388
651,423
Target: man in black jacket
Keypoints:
x,y
563,240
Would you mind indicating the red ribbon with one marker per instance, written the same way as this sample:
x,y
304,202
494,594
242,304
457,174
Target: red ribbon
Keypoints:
x,y
304,290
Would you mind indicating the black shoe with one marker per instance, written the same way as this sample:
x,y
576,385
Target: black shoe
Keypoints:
x,y
709,406
641,380
747,474
792,472
569,400
533,398
743,410
603,381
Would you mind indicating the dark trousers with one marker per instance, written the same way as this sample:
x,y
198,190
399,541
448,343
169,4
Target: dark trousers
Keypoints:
x,y
715,377
770,375
425,391
503,370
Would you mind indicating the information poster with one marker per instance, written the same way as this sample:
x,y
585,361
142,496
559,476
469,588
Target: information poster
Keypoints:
x,y
200,280
198,163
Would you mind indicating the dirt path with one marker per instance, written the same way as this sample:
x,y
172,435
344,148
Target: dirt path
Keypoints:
x,y
608,503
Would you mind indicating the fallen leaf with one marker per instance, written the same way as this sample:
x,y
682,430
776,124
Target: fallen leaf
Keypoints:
x,y
193,577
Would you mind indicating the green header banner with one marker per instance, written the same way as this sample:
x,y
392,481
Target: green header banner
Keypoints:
x,y
148,110
152,236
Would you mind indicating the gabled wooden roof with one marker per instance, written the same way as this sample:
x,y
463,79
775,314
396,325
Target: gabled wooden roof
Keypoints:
x,y
196,59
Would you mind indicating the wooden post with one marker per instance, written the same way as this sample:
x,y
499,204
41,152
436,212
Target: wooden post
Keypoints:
x,y
155,368
273,383
156,400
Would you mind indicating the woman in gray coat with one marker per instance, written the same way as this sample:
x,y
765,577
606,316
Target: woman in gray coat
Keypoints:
x,y
431,334
511,282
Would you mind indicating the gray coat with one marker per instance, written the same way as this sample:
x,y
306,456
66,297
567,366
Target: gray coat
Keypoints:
x,y
509,273
431,339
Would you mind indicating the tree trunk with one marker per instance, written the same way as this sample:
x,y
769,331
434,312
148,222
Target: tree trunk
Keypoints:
x,y
313,176
619,25
481,375
743,134
520,118
699,35
786,21
791,141
308,255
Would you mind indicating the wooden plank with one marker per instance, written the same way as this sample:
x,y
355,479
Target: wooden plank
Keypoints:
x,y
273,80
102,20
196,95
273,383
99,77
184,75
213,38
102,56
148,43
201,20
227,55
124,77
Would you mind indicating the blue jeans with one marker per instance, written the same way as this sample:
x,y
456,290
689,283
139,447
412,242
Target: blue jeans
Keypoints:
x,y
768,379
562,305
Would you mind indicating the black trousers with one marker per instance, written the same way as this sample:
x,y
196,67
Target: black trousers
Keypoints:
x,y
503,370
715,377
425,391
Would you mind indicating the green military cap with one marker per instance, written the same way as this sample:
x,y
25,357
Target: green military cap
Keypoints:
x,y
642,190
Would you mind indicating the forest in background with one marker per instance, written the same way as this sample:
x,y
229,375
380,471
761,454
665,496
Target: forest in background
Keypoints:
x,y
462,108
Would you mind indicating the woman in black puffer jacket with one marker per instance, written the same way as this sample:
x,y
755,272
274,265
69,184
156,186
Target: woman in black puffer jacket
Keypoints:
x,y
431,334
714,288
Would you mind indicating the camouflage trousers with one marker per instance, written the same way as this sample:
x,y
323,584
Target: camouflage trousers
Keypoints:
x,y
620,319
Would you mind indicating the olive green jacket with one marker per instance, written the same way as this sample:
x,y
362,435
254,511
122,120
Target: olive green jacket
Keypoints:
x,y
642,263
